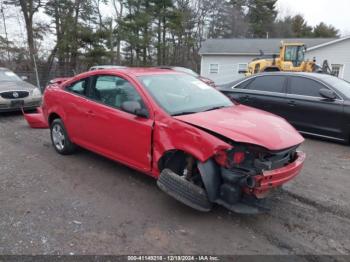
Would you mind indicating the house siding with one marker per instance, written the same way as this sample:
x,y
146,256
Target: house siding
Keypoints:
x,y
338,53
228,67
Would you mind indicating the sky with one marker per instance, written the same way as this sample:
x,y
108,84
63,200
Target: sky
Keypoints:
x,y
334,12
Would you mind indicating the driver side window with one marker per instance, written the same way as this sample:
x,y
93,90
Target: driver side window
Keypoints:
x,y
114,91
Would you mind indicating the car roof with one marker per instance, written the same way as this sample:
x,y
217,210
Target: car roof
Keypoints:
x,y
317,76
139,71
134,71
314,75
106,67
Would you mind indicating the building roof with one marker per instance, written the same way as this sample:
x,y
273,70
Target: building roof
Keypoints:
x,y
252,46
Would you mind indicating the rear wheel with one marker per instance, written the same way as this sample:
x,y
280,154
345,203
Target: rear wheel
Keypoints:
x,y
60,139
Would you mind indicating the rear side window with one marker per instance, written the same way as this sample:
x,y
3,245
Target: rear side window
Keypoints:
x,y
268,84
305,87
79,87
244,84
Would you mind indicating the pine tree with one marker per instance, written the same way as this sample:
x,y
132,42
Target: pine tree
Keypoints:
x,y
300,27
261,16
323,30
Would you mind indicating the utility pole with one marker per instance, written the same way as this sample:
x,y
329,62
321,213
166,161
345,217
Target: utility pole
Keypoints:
x,y
36,73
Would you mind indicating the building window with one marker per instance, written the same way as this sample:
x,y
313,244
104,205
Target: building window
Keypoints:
x,y
336,70
242,68
214,68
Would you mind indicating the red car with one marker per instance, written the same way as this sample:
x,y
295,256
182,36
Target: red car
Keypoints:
x,y
201,147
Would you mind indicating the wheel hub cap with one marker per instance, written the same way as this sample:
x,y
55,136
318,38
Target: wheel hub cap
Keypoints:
x,y
58,137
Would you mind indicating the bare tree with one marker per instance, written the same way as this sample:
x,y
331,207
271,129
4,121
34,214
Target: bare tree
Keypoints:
x,y
29,8
119,13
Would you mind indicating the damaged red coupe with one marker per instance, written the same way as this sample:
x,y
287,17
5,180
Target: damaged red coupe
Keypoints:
x,y
202,148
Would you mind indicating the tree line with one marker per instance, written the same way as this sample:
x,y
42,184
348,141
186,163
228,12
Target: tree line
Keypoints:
x,y
138,32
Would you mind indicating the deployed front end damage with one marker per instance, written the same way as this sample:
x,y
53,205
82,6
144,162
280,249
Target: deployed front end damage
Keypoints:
x,y
236,178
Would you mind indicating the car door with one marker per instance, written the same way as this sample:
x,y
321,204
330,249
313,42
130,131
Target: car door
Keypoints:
x,y
309,111
76,108
265,92
237,92
113,132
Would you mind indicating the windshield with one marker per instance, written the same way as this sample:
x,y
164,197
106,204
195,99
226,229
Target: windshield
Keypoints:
x,y
7,75
186,70
183,94
295,54
338,84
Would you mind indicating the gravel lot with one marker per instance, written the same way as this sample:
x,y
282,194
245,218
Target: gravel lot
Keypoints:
x,y
86,204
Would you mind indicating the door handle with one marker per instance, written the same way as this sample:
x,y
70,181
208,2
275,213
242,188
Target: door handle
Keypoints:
x,y
292,103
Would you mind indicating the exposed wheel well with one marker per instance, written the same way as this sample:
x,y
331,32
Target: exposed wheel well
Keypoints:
x,y
183,164
173,159
52,117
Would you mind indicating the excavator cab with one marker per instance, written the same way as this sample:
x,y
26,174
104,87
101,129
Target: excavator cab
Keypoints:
x,y
294,53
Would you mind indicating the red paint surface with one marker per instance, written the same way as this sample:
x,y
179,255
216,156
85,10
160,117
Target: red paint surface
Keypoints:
x,y
37,119
248,125
59,80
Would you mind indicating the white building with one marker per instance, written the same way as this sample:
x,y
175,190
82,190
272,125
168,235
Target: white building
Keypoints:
x,y
222,59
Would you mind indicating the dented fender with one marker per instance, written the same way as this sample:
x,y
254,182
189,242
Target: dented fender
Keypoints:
x,y
171,134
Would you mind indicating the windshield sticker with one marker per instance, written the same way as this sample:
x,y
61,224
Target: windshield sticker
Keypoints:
x,y
9,73
201,85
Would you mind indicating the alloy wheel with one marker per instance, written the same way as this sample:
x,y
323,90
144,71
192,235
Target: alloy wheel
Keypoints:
x,y
58,137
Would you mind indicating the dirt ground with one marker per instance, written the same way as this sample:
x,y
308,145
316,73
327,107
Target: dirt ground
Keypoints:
x,y
86,204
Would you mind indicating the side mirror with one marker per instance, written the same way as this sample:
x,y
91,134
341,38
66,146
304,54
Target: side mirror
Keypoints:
x,y
135,108
24,78
328,94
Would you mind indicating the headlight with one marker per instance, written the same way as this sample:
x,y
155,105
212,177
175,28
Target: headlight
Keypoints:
x,y
36,92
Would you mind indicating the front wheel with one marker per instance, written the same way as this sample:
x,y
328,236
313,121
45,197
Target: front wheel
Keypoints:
x,y
60,139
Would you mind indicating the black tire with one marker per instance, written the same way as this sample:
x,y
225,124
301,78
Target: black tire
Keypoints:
x,y
60,139
184,191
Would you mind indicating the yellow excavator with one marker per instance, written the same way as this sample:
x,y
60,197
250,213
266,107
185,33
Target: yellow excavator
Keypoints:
x,y
290,59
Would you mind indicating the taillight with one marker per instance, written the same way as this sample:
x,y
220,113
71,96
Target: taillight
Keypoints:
x,y
238,157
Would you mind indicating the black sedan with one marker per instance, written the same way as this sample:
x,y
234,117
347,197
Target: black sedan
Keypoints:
x,y
315,104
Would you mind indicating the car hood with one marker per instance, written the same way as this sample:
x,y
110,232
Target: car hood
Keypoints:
x,y
247,125
15,86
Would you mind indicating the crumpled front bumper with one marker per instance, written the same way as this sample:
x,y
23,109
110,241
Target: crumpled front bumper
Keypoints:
x,y
275,178
36,119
